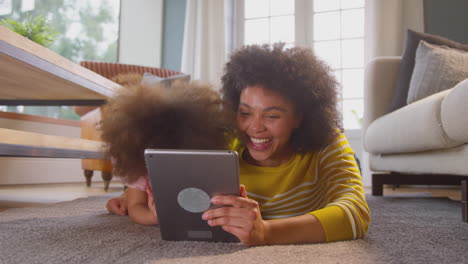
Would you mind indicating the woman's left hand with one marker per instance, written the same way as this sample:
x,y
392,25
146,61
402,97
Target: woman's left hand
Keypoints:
x,y
243,219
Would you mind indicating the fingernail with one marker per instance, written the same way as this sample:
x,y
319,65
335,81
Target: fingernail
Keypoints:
x,y
205,216
210,222
214,200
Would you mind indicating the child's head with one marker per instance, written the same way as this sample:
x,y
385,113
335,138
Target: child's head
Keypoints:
x,y
179,116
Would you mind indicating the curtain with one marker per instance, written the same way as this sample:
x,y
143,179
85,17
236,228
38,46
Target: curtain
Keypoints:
x,y
386,25
204,49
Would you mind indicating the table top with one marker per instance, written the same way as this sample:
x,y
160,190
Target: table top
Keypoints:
x,y
33,74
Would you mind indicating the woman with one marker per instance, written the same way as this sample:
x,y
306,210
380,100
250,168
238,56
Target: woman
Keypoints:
x,y
300,180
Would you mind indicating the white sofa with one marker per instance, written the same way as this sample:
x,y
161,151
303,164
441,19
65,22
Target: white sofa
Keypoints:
x,y
425,142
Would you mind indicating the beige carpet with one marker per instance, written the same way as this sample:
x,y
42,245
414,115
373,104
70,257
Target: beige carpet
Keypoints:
x,y
404,230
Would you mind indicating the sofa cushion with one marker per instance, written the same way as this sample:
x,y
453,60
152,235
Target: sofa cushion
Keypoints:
x,y
151,80
407,63
415,127
454,112
437,68
441,161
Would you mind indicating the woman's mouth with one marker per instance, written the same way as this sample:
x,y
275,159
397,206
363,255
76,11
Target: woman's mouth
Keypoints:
x,y
260,143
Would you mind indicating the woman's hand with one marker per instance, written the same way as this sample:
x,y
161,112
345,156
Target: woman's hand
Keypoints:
x,y
118,205
243,219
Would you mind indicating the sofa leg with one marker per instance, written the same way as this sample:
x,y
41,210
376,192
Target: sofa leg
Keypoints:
x,y
107,177
88,175
464,202
377,185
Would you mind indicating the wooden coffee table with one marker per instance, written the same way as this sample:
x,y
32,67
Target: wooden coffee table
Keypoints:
x,y
33,75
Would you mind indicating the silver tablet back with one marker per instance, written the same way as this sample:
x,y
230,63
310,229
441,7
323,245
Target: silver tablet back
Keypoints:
x,y
183,182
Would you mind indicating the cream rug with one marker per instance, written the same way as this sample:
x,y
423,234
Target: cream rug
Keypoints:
x,y
403,230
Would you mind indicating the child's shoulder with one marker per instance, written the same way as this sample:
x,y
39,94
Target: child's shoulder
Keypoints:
x,y
141,183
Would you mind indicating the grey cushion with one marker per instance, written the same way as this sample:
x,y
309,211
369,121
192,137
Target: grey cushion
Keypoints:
x,y
437,68
407,63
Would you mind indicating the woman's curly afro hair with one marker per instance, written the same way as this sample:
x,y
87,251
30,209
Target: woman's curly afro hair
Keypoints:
x,y
297,74
179,116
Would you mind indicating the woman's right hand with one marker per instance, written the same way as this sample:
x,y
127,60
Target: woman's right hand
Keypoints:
x,y
118,205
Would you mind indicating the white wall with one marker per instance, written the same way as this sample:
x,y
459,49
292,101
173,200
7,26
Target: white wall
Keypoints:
x,y
140,39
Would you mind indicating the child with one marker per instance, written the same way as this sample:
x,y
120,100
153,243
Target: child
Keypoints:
x,y
179,116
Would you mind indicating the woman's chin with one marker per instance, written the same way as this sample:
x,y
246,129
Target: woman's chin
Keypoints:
x,y
259,156
265,157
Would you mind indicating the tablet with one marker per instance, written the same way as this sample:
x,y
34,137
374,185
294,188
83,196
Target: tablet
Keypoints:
x,y
183,182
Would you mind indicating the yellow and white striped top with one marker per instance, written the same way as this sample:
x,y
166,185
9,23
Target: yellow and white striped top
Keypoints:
x,y
326,184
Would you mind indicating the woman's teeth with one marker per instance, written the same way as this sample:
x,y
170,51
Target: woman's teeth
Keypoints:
x,y
260,140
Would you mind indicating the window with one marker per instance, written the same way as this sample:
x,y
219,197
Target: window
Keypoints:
x,y
5,7
338,38
335,31
87,30
269,21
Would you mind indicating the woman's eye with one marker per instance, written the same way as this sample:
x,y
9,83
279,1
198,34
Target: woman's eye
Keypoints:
x,y
272,117
244,113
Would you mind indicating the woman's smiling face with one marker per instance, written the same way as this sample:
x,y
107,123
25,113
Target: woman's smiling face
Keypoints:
x,y
266,120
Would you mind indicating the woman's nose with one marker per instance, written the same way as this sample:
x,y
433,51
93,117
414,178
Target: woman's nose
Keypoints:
x,y
257,124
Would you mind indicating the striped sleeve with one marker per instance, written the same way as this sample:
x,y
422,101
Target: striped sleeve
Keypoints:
x,y
346,214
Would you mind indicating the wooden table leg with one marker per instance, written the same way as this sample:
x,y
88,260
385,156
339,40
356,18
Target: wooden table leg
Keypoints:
x,y
107,177
88,175
377,185
464,185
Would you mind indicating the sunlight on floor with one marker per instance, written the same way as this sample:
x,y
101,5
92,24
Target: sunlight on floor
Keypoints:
x,y
12,196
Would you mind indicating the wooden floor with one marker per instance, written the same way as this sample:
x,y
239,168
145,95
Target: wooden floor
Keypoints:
x,y
17,196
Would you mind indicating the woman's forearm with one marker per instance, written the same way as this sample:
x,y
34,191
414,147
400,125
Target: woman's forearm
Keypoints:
x,y
298,229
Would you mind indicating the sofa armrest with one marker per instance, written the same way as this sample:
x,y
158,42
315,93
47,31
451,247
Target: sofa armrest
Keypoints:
x,y
379,87
454,112
415,127
89,124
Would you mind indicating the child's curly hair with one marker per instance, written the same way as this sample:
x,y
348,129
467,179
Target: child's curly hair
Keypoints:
x,y
179,116
297,74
